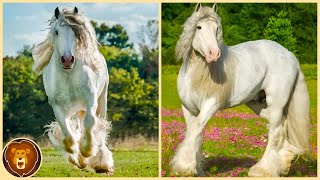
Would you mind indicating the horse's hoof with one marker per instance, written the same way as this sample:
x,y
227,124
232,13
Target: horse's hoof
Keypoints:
x,y
258,171
88,150
179,170
82,162
109,171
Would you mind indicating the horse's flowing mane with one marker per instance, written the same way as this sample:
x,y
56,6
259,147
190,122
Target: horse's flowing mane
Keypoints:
x,y
86,46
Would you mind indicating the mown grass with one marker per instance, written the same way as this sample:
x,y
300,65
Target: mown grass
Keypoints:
x,y
127,164
241,142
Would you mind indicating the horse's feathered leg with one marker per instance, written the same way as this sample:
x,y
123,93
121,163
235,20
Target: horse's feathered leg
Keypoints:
x,y
187,160
102,162
88,144
67,137
270,164
77,158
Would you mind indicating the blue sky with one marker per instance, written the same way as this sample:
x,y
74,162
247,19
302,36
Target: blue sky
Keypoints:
x,y
24,23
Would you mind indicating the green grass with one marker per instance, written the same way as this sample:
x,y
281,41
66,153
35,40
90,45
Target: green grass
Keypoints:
x,y
127,164
227,158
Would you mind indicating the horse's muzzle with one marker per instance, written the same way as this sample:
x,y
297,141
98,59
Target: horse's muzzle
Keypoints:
x,y
67,62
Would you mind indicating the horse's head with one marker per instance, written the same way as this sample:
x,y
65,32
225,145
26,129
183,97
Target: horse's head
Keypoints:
x,y
208,33
71,38
64,39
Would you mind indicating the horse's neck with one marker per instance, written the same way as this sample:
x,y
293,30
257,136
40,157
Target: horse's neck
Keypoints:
x,y
212,79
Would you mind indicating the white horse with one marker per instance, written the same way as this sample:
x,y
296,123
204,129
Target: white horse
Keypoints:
x,y
261,74
75,79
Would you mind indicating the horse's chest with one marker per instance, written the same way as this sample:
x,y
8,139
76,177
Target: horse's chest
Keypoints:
x,y
65,90
189,98
69,93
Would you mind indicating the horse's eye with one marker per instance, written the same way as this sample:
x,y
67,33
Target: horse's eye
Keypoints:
x,y
198,27
56,32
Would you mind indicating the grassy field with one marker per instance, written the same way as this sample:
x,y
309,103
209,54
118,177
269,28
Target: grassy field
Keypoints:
x,y
234,139
127,164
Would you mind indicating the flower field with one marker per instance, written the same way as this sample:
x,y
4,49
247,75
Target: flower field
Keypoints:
x,y
233,140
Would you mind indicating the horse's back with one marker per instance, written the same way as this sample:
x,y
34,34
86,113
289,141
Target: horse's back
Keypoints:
x,y
265,50
268,55
262,64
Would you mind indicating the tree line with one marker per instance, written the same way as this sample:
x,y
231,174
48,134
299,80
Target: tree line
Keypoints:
x,y
293,25
133,87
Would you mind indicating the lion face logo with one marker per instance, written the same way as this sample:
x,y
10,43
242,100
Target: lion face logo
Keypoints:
x,y
22,157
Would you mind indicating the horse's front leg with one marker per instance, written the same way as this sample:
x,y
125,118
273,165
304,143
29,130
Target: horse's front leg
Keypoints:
x,y
102,162
187,160
67,137
88,144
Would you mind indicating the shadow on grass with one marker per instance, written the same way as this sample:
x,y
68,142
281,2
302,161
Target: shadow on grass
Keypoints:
x,y
223,164
303,168
228,165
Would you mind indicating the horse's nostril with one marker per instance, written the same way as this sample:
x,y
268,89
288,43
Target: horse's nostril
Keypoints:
x,y
72,59
62,60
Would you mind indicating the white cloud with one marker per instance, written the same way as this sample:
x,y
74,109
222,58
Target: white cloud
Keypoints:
x,y
31,38
26,18
34,17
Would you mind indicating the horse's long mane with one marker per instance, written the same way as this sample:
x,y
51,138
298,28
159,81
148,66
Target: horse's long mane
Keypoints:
x,y
86,46
215,79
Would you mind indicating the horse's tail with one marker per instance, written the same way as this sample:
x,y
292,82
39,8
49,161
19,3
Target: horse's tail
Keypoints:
x,y
298,121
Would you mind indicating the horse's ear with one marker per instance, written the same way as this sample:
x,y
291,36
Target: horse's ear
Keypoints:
x,y
75,11
215,7
198,7
57,13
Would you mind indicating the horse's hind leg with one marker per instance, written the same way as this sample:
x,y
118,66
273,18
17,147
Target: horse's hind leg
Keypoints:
x,y
270,164
102,162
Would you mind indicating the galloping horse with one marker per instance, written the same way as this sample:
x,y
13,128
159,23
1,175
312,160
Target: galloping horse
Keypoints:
x,y
261,74
76,79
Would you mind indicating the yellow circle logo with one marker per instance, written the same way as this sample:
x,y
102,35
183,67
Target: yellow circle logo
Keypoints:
x,y
22,157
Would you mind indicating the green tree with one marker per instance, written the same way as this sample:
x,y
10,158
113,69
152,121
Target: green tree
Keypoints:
x,y
113,36
26,51
279,29
25,106
118,37
133,103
